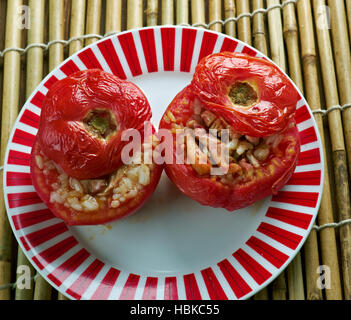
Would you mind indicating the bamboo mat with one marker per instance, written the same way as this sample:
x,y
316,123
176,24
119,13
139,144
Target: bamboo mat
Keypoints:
x,y
310,39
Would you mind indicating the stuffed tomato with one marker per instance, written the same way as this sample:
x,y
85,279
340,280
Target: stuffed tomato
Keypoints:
x,y
77,163
230,161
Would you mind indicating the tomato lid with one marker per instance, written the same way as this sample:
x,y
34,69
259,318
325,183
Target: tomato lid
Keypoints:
x,y
83,118
250,93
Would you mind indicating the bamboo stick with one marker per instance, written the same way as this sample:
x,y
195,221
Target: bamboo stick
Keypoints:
x,y
348,11
43,290
3,28
311,255
35,55
260,43
259,32
182,15
134,14
22,261
276,34
262,294
10,107
25,25
67,9
167,15
93,20
215,14
60,296
34,75
326,236
2,44
56,32
329,79
77,24
244,24
279,289
230,12
113,16
343,68
336,132
151,13
198,12
291,37
341,45
290,32
295,279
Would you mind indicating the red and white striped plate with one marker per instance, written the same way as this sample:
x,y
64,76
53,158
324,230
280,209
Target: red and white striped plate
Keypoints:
x,y
173,248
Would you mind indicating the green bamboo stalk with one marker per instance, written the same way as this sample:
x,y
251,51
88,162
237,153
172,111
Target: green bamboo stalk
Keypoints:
x,y
182,14
113,16
230,12
290,32
167,14
259,31
244,23
77,24
93,20
151,13
198,12
134,14
215,14
43,290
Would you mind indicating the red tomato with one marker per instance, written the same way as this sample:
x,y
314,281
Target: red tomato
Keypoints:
x,y
76,161
82,121
246,183
250,93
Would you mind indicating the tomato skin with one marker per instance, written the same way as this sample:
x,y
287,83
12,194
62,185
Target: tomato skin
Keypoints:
x,y
42,185
62,135
277,97
212,192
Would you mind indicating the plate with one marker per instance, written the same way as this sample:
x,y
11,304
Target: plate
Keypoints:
x,y
173,248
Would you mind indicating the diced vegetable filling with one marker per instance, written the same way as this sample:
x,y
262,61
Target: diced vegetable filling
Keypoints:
x,y
242,156
92,194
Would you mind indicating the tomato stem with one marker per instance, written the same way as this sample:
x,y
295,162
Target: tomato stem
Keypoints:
x,y
100,122
243,94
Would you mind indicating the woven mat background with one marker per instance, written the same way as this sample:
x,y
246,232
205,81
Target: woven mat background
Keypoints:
x,y
310,39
